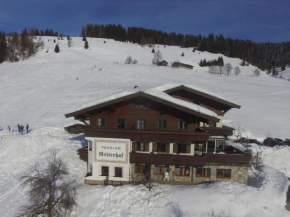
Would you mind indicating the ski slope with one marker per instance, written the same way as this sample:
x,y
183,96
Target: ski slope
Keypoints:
x,y
40,90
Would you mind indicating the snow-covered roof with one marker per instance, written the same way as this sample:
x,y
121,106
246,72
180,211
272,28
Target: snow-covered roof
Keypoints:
x,y
169,86
154,93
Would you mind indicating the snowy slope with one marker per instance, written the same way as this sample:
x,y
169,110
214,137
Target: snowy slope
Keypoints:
x,y
39,91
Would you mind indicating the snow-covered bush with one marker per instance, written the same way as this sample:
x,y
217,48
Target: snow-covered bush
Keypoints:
x,y
130,60
237,70
257,72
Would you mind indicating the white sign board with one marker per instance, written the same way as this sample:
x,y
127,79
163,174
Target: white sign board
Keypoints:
x,y
111,150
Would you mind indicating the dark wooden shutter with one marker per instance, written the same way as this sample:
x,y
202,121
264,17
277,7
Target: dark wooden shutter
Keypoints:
x,y
134,146
146,146
167,147
154,147
188,147
175,148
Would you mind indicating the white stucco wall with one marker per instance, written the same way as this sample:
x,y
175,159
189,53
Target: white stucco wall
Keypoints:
x,y
110,153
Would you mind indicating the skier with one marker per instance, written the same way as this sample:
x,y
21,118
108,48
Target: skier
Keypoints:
x,y
9,128
27,128
22,129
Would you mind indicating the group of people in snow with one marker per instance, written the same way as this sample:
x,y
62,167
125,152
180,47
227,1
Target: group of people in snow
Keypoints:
x,y
20,129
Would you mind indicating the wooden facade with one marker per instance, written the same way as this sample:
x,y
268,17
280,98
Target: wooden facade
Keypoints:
x,y
160,131
75,128
181,65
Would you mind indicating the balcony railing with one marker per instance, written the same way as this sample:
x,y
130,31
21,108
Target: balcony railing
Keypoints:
x,y
219,131
141,135
169,159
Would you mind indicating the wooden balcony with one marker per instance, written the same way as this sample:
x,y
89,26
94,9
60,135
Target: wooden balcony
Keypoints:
x,y
145,135
169,159
219,131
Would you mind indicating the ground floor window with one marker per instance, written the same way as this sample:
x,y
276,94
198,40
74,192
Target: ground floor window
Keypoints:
x,y
223,173
161,170
202,172
139,168
182,171
118,172
105,171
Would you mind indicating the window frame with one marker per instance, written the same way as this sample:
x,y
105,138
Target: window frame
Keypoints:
x,y
162,124
162,171
103,171
161,144
90,145
223,174
125,122
184,123
141,168
139,144
182,172
203,172
145,123
98,122
121,172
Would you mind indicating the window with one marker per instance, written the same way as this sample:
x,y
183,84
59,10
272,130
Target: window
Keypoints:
x,y
161,124
219,146
118,172
210,146
202,172
182,171
90,145
121,123
182,148
222,173
160,170
182,125
101,122
161,147
105,171
141,124
211,124
139,168
199,147
140,146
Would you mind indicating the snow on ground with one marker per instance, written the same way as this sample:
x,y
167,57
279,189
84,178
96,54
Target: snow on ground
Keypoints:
x,y
39,91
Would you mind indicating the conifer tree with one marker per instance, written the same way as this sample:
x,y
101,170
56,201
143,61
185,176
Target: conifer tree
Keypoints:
x,y
153,51
56,49
283,66
86,45
3,48
182,54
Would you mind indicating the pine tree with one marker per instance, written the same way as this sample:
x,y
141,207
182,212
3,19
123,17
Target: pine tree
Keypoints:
x,y
86,45
283,66
56,49
201,63
182,54
3,48
153,51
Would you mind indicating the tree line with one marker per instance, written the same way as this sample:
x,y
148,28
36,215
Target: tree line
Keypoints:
x,y
266,56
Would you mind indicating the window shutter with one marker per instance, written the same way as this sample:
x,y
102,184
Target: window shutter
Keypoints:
x,y
146,146
188,148
154,147
167,147
174,148
134,146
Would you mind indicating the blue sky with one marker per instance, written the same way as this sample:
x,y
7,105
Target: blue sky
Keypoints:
x,y
258,20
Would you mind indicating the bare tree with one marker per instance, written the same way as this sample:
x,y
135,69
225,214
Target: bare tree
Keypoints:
x,y
237,70
50,193
228,68
157,58
130,60
257,72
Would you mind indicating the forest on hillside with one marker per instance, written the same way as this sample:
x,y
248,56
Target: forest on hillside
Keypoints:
x,y
266,56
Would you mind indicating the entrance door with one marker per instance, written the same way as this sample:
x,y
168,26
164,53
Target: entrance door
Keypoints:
x,y
147,172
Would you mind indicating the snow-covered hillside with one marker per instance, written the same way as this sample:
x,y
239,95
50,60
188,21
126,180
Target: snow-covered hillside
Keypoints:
x,y
39,91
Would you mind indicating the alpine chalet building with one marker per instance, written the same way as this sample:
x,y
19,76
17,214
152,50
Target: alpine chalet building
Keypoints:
x,y
170,134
